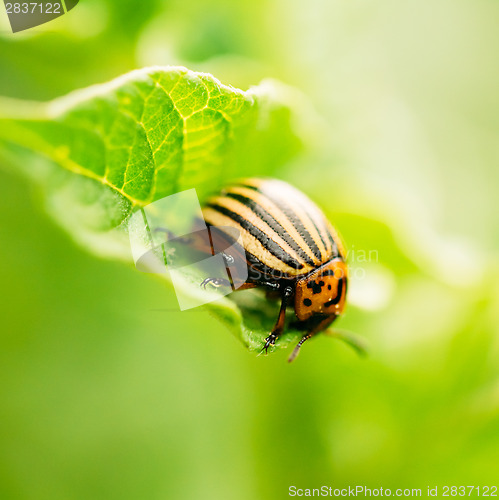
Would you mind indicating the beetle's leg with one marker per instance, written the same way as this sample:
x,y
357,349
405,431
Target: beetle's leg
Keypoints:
x,y
279,326
228,259
216,282
246,286
273,286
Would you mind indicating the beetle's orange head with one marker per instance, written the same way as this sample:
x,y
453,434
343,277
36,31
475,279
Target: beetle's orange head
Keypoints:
x,y
322,291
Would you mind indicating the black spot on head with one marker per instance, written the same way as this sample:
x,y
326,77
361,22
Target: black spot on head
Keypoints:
x,y
307,302
329,287
316,287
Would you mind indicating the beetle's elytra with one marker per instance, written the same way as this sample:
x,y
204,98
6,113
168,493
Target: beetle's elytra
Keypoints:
x,y
290,248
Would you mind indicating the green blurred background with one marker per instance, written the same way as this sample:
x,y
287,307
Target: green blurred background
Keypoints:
x,y
109,392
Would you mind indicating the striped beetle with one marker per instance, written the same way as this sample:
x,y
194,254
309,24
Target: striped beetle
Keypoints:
x,y
290,249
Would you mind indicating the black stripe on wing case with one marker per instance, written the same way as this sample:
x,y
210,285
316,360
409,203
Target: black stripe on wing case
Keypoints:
x,y
273,223
292,217
300,227
267,243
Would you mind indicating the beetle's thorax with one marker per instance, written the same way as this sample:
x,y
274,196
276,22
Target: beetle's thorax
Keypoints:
x,y
323,291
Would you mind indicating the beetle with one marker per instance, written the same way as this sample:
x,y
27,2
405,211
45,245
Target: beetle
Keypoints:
x,y
290,249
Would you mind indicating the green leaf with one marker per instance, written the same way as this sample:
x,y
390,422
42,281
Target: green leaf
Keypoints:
x,y
104,152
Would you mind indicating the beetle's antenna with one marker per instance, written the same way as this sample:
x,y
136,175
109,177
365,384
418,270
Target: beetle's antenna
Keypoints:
x,y
296,350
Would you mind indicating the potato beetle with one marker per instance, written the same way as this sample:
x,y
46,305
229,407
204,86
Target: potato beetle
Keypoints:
x,y
290,249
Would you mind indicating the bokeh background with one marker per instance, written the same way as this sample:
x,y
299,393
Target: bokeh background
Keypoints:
x,y
109,392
